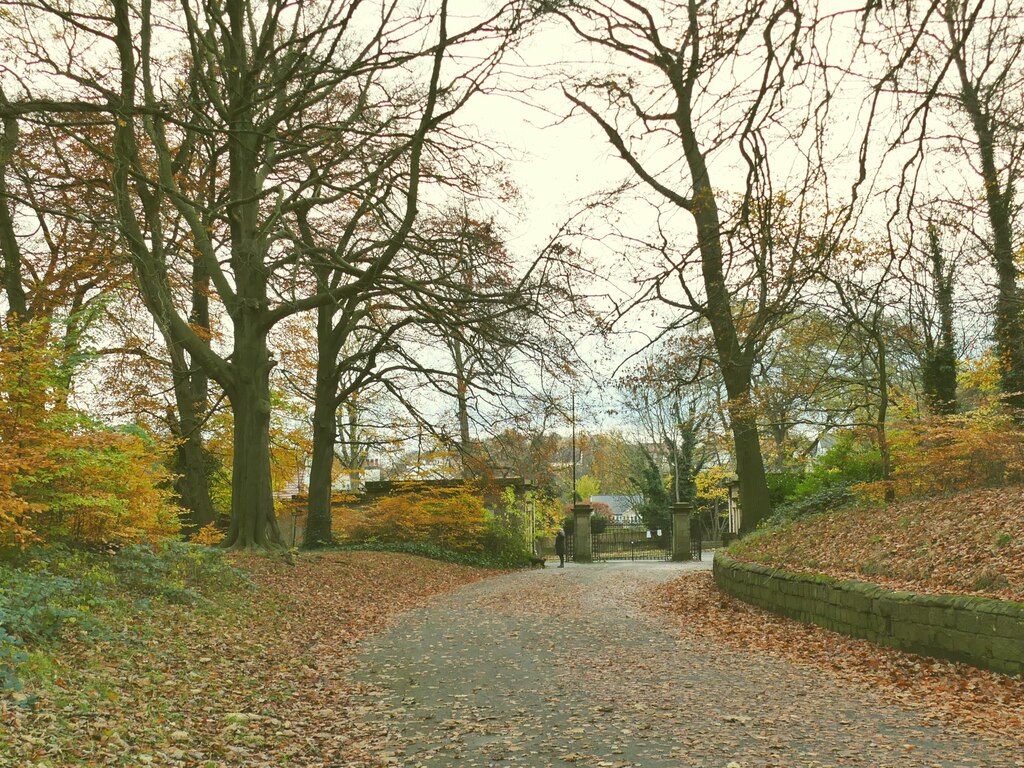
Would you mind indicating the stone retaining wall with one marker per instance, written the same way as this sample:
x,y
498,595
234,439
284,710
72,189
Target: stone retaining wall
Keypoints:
x,y
976,630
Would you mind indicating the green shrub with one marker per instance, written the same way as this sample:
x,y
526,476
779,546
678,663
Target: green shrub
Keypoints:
x,y
176,571
846,463
47,593
435,552
11,656
952,453
506,537
504,545
36,606
45,590
65,477
453,517
782,486
827,499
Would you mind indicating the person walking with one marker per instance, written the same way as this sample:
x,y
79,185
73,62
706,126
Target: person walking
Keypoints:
x,y
560,547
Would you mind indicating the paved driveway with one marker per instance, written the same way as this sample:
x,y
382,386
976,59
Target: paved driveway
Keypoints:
x,y
563,667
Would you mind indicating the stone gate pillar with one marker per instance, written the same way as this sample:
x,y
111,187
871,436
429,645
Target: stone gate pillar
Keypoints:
x,y
583,549
681,512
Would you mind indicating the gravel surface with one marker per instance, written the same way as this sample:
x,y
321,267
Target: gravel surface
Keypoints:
x,y
561,667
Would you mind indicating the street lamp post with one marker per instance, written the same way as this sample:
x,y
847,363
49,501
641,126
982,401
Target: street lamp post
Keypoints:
x,y
573,418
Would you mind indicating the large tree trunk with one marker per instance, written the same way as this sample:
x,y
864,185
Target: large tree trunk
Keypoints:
x,y
883,410
190,465
191,393
17,301
253,523
734,361
193,483
1009,321
318,519
755,504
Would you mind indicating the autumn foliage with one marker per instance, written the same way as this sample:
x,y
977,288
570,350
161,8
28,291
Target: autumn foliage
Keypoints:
x,y
454,518
64,477
25,430
956,453
208,536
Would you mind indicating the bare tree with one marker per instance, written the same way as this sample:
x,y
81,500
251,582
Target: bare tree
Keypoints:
x,y
485,325
956,74
938,367
695,81
492,329
985,42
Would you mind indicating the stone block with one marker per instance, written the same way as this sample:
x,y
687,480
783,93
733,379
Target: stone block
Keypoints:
x,y
1007,649
849,616
1009,626
970,646
917,613
975,622
1012,668
915,635
946,639
857,600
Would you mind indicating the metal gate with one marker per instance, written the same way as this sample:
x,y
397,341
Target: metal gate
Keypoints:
x,y
632,542
696,545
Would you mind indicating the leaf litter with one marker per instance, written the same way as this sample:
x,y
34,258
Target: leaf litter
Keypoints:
x,y
970,542
261,680
943,692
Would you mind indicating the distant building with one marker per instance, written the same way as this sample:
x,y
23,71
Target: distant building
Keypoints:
x,y
344,479
623,507
823,445
735,514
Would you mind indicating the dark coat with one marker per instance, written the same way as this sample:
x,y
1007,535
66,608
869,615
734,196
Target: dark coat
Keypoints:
x,y
560,543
